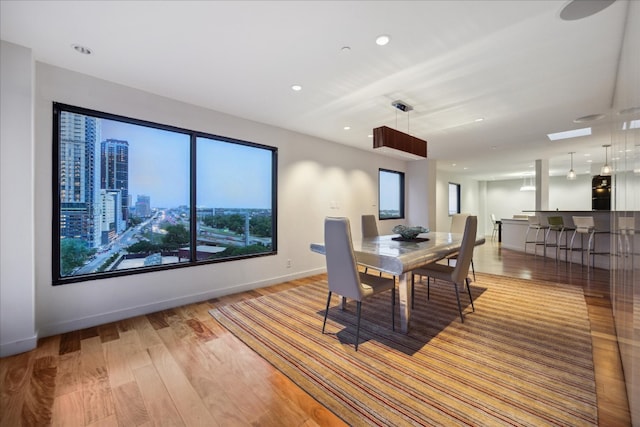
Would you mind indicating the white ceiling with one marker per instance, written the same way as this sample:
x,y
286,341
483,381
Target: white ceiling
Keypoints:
x,y
515,64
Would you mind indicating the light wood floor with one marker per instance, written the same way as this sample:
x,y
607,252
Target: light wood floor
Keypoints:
x,y
179,367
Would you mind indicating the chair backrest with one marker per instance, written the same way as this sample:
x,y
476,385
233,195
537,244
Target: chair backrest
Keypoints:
x,y
626,224
342,270
369,226
461,270
458,222
584,224
533,220
493,219
555,221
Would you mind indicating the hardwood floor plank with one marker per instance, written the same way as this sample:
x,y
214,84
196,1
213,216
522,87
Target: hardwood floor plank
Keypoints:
x,y
158,402
89,333
184,396
69,342
197,363
318,414
108,332
96,391
146,333
118,354
15,382
36,409
68,410
129,404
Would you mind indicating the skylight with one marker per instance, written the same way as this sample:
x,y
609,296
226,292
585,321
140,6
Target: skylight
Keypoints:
x,y
569,134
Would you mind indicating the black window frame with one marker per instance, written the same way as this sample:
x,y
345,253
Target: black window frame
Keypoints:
x,y
457,198
401,191
58,279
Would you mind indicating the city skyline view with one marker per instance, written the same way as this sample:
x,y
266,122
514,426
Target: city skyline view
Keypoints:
x,y
125,195
159,168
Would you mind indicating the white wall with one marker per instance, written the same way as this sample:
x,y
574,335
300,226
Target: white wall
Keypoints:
x,y
17,286
309,180
504,198
470,197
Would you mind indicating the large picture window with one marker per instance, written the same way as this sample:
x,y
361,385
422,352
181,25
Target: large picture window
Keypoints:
x,y
391,194
132,196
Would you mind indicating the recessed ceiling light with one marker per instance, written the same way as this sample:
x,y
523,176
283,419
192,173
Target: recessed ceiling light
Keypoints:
x,y
347,127
589,118
382,40
569,134
479,119
297,88
370,136
633,124
81,49
579,9
345,49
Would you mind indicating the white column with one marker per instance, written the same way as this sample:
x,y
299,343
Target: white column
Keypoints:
x,y
542,184
17,246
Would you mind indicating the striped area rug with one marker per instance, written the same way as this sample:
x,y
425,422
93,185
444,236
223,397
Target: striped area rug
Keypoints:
x,y
524,356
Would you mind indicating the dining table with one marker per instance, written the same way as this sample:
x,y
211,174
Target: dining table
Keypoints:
x,y
398,256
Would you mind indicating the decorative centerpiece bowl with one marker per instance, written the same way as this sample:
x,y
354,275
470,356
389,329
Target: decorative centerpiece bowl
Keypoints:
x,y
409,232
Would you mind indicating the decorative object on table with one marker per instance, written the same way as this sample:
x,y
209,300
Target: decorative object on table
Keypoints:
x,y
409,233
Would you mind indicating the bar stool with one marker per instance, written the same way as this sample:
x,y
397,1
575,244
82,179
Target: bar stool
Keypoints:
x,y
556,224
585,226
534,224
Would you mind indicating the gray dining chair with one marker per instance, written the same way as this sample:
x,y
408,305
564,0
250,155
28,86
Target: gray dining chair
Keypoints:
x,y
458,222
369,226
342,271
457,275
369,229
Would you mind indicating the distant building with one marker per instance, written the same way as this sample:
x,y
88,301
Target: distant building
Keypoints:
x,y
80,201
114,172
143,206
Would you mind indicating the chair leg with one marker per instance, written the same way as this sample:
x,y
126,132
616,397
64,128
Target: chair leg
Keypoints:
x,y
428,288
393,308
470,297
358,327
326,312
473,269
459,305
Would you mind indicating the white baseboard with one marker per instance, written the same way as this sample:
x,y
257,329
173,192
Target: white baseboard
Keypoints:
x,y
20,346
114,316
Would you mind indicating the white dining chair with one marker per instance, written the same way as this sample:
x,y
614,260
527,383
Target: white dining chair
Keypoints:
x,y
457,275
342,271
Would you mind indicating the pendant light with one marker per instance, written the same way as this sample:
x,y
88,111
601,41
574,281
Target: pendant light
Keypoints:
x,y
572,174
606,169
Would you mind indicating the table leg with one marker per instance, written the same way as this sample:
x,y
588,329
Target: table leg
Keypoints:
x,y
404,291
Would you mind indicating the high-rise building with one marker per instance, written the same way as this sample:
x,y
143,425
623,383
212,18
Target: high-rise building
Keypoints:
x,y
114,171
80,202
143,206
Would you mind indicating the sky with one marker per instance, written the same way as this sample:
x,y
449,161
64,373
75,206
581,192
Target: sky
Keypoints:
x,y
229,175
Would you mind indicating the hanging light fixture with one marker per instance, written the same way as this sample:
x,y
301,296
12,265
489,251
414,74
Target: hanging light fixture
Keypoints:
x,y
399,143
606,169
572,174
